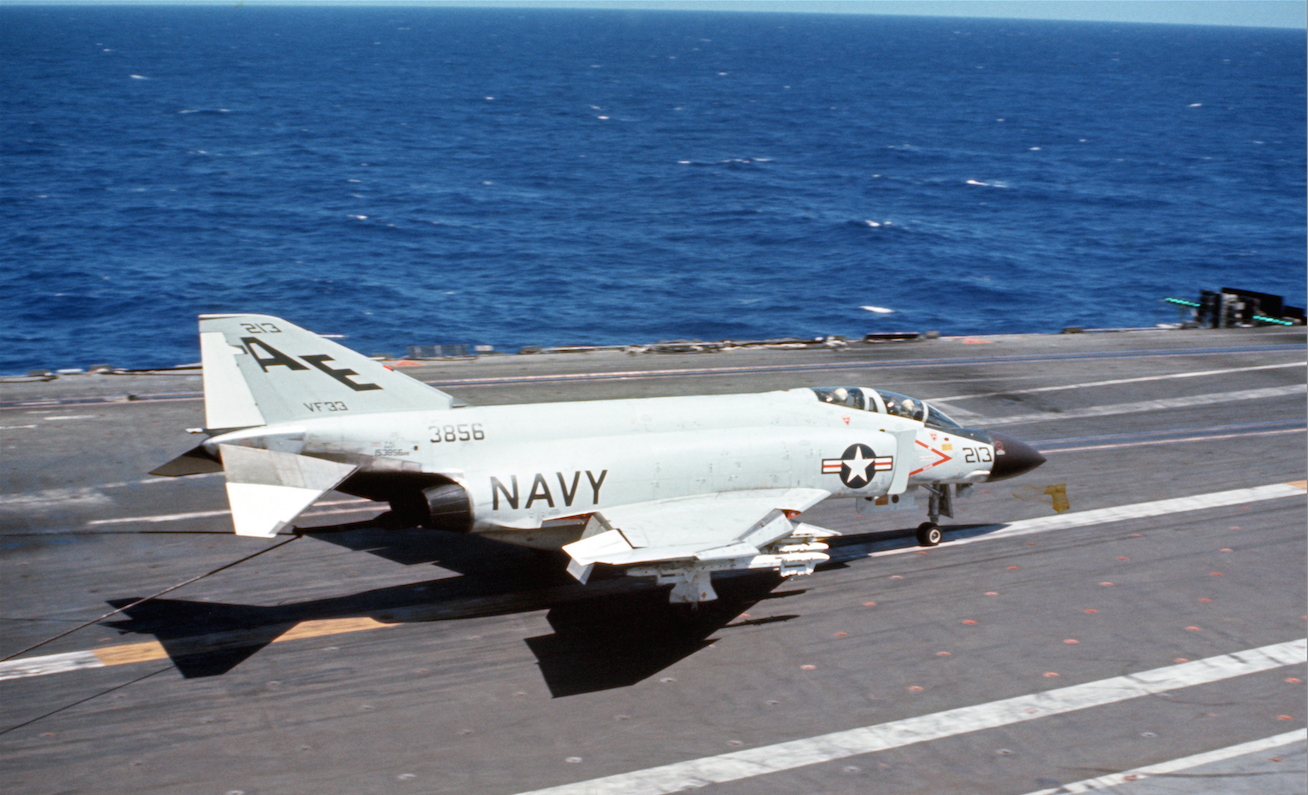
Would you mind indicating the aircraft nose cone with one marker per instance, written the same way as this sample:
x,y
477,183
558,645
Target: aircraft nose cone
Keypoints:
x,y
1012,457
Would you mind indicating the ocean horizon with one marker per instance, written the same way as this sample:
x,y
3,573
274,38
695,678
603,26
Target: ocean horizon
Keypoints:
x,y
515,177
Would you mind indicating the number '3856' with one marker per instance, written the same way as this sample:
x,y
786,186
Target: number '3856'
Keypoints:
x,y
458,433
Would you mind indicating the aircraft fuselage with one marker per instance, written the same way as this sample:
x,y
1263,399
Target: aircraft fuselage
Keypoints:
x,y
525,466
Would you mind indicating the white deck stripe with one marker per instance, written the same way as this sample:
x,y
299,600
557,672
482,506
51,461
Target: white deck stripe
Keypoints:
x,y
1177,765
1150,405
177,517
165,517
49,664
1119,381
1122,513
58,663
870,739
1174,440
151,481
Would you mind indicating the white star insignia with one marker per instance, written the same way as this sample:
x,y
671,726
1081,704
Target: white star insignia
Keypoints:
x,y
858,465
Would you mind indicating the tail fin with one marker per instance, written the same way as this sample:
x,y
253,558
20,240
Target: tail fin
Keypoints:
x,y
261,370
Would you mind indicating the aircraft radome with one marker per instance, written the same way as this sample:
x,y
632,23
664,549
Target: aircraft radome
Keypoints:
x,y
676,488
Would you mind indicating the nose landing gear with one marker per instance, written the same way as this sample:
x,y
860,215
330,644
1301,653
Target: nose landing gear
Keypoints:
x,y
940,502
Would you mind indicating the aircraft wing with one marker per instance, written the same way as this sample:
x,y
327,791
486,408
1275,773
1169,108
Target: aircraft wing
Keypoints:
x,y
735,525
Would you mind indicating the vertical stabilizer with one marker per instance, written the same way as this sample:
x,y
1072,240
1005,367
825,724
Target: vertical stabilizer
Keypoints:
x,y
262,370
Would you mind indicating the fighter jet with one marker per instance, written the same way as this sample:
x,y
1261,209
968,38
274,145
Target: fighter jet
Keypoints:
x,y
676,488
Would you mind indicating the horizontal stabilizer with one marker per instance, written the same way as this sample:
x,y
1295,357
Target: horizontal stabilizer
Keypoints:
x,y
269,489
193,462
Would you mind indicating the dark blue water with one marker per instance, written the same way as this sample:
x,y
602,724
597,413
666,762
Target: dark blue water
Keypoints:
x,y
508,177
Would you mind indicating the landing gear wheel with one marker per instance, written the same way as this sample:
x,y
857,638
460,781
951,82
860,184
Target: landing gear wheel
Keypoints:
x,y
928,534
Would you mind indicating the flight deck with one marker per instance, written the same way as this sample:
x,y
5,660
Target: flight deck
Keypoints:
x,y
1131,614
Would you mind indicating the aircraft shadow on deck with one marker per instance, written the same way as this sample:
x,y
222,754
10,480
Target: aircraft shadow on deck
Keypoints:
x,y
851,547
612,633
203,638
602,644
415,546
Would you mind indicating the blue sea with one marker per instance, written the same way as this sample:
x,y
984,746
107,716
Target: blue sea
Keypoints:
x,y
417,176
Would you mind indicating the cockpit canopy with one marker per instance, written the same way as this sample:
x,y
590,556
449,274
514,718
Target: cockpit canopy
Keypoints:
x,y
886,402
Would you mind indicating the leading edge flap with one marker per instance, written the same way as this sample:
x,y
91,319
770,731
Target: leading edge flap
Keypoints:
x,y
267,489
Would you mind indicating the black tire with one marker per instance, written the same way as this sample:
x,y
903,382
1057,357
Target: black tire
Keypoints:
x,y
928,534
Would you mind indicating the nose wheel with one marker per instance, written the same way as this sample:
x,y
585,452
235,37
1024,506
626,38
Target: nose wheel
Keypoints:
x,y
928,533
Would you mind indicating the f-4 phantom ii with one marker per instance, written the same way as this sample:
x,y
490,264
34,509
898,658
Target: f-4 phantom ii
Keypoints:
x,y
676,487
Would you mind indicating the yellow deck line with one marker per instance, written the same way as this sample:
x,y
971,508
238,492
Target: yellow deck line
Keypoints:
x,y
154,650
131,653
329,626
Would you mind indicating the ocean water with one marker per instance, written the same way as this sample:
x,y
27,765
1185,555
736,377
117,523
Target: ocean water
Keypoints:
x,y
409,176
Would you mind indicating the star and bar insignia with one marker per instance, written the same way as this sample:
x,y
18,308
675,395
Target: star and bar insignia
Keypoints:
x,y
858,465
